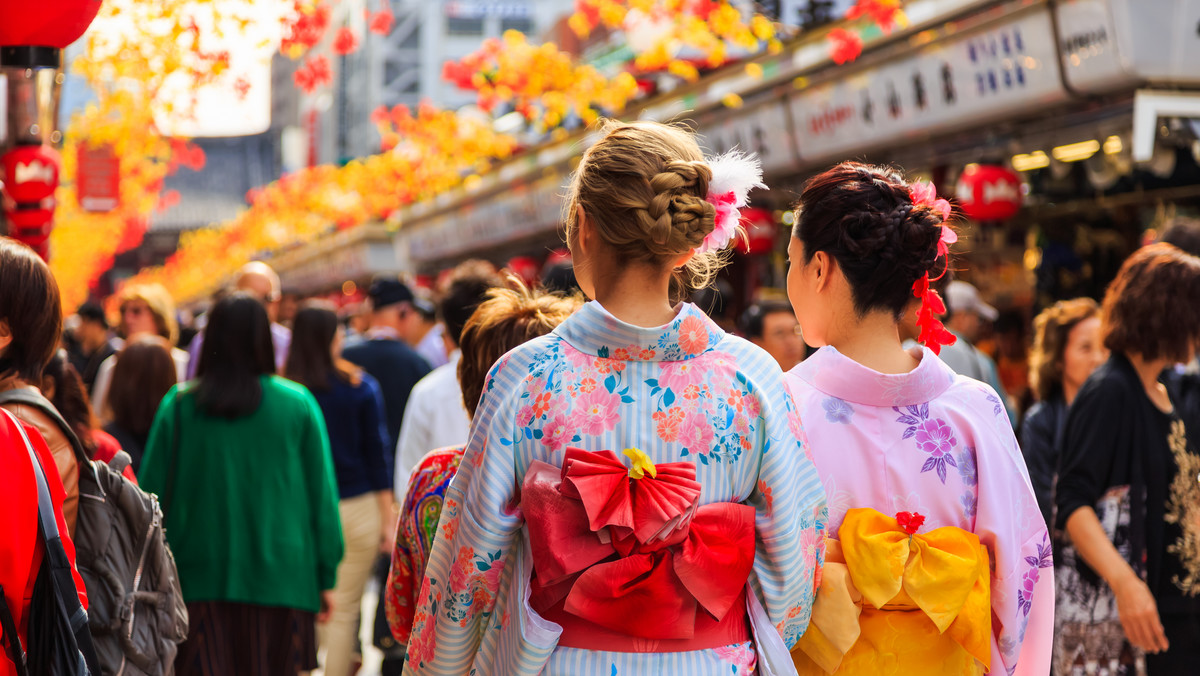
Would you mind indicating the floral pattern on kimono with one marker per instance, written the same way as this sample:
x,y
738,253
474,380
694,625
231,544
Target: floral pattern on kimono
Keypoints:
x,y
935,443
685,391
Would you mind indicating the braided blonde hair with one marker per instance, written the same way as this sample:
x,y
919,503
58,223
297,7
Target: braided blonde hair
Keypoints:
x,y
643,186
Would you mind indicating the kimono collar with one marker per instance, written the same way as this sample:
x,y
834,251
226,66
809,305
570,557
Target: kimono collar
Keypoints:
x,y
593,331
837,375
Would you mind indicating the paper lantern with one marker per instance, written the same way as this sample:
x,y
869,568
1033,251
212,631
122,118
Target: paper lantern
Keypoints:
x,y
989,192
30,173
50,23
760,229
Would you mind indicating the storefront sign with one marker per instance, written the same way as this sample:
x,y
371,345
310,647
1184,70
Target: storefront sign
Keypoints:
x,y
960,82
98,179
519,212
763,130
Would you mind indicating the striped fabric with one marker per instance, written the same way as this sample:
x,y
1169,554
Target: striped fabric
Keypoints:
x,y
683,391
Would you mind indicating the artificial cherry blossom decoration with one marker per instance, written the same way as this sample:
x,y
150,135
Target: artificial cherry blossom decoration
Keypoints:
x,y
844,45
345,42
380,23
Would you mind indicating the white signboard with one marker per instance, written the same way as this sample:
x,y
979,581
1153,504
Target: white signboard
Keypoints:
x,y
763,130
960,82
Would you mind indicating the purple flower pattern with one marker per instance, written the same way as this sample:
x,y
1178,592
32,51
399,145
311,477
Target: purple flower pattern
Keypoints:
x,y
1043,559
837,410
933,436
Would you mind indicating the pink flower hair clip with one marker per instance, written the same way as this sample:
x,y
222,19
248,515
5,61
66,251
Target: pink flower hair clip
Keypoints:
x,y
734,175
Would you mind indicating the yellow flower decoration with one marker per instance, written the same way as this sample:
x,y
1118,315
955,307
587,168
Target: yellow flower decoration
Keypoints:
x,y
641,464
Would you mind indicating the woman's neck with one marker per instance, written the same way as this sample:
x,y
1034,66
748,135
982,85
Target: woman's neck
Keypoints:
x,y
637,295
874,342
1148,372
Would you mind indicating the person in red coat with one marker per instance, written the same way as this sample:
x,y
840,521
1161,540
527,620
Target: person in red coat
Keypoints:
x,y
20,543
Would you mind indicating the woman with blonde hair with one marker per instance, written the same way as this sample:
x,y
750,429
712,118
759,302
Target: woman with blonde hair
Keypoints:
x,y
1066,349
146,309
635,497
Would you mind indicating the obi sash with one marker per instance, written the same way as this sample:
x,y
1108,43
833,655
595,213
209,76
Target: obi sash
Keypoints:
x,y
626,560
891,603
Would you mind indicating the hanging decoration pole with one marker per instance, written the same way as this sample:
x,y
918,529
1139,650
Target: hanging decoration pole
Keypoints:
x,y
31,163
32,37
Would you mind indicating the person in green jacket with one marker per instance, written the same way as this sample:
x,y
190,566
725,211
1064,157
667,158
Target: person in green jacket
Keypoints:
x,y
241,462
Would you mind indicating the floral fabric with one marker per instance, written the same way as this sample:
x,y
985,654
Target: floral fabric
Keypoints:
x,y
940,445
419,515
685,391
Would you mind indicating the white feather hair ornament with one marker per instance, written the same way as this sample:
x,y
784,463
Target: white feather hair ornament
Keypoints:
x,y
734,175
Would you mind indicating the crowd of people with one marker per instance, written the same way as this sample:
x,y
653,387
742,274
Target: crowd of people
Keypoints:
x,y
593,476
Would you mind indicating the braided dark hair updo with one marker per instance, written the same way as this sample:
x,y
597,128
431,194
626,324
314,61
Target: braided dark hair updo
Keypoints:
x,y
864,217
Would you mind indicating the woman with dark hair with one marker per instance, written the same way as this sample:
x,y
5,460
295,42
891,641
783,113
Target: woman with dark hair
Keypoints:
x,y
30,329
1066,349
1127,493
241,461
353,408
915,459
139,384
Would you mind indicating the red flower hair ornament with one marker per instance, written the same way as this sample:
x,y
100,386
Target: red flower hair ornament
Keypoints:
x,y
933,333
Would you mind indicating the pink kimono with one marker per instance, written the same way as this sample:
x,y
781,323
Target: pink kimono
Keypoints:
x,y
939,444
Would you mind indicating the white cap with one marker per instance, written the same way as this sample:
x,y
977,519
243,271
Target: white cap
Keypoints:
x,y
963,297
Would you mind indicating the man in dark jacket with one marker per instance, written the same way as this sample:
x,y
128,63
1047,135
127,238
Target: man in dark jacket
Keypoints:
x,y
385,355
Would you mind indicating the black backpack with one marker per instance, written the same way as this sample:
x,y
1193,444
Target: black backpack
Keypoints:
x,y
58,640
137,613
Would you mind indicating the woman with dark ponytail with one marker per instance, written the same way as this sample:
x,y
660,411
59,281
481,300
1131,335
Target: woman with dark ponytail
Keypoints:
x,y
938,560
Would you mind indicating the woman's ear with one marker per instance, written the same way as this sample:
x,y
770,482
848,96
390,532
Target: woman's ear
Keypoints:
x,y
684,259
823,266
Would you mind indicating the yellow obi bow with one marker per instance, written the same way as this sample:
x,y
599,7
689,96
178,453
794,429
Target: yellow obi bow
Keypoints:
x,y
891,603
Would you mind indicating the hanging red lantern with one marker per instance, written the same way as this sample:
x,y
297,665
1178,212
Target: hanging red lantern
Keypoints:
x,y
50,23
30,173
760,228
989,192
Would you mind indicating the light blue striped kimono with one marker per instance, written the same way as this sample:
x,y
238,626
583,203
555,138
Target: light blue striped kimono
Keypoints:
x,y
684,391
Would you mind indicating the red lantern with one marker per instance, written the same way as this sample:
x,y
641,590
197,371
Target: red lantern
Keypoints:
x,y
989,192
32,227
30,173
760,228
50,23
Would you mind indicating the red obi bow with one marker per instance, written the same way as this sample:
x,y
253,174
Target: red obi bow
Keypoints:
x,y
635,555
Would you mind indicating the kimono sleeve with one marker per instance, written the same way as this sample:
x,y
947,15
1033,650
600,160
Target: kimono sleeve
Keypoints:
x,y
1009,523
790,518
455,628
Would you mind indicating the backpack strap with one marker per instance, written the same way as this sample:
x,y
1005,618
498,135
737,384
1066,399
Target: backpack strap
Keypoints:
x,y
12,641
56,562
34,399
120,462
